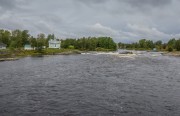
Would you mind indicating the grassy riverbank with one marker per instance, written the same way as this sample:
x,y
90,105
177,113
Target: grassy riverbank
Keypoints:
x,y
6,55
174,53
15,54
21,53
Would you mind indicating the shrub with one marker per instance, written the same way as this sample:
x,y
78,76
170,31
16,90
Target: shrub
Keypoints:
x,y
71,47
170,49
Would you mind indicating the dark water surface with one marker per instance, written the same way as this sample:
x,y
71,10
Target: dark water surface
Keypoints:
x,y
90,85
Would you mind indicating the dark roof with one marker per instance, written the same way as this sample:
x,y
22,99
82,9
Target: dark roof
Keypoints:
x,y
2,44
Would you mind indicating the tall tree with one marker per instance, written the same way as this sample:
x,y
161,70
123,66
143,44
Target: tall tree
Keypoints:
x,y
17,38
25,37
171,43
158,44
142,43
5,36
177,45
41,40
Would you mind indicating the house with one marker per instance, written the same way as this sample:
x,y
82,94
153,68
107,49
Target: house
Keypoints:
x,y
154,50
54,43
28,47
2,46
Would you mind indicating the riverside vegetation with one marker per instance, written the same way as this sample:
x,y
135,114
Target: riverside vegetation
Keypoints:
x,y
144,44
172,47
17,39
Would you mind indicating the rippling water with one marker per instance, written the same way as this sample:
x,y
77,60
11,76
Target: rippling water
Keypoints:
x,y
91,85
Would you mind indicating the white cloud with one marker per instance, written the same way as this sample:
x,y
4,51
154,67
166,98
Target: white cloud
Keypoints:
x,y
103,30
147,32
118,35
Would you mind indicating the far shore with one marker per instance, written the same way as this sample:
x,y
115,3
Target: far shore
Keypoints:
x,y
7,55
10,55
164,52
174,53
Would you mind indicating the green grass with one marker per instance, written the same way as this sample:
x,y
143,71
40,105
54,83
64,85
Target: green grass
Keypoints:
x,y
104,50
49,51
12,53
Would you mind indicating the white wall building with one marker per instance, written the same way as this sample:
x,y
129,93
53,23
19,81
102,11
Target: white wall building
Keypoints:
x,y
54,44
2,46
28,47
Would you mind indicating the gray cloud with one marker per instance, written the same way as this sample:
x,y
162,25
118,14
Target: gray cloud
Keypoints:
x,y
92,1
152,3
7,4
124,20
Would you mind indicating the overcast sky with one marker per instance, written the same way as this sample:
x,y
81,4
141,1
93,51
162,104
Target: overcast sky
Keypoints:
x,y
123,20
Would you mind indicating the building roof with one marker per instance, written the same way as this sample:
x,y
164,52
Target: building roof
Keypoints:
x,y
2,44
27,45
54,41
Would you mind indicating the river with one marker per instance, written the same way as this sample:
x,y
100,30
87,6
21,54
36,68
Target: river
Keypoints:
x,y
146,84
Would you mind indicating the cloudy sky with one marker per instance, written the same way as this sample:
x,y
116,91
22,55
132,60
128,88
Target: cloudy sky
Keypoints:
x,y
123,20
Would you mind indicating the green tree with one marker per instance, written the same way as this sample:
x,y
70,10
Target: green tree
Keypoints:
x,y
90,43
17,37
33,42
40,42
171,43
177,45
25,37
158,44
142,43
13,45
149,44
5,36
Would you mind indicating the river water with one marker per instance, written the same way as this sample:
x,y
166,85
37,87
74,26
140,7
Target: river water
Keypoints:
x,y
145,84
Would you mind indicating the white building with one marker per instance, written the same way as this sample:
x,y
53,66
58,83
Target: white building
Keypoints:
x,y
54,44
28,47
2,46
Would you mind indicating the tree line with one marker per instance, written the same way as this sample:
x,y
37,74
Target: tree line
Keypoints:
x,y
90,43
145,44
17,39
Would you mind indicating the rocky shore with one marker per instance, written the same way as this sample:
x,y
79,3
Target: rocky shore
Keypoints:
x,y
8,59
177,54
11,56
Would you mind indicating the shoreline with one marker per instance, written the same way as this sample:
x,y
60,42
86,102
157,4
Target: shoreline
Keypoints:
x,y
175,53
24,53
8,59
13,57
163,52
18,54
